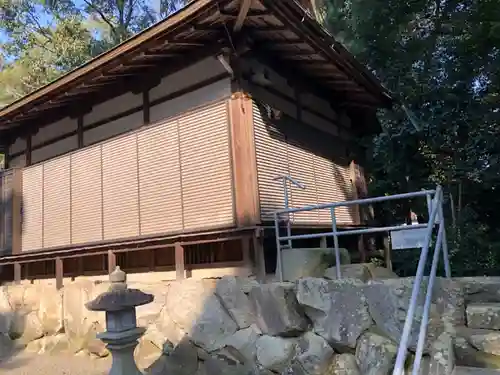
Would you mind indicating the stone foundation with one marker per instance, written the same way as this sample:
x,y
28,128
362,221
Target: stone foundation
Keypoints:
x,y
236,325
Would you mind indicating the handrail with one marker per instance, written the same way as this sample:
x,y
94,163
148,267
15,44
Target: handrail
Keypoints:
x,y
359,201
436,217
405,336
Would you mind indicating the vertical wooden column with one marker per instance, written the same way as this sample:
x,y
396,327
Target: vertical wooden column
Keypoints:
x,y
244,163
180,266
146,111
111,261
28,148
17,210
59,273
79,130
258,246
245,249
17,273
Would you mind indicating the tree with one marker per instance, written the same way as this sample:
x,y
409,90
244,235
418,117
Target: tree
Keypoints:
x,y
46,38
441,59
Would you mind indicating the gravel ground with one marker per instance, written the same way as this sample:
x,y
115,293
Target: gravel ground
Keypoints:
x,y
32,364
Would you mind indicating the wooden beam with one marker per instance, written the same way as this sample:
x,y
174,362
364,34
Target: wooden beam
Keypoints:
x,y
59,273
111,261
17,210
244,161
180,266
17,273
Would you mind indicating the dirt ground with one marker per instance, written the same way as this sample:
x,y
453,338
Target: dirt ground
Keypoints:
x,y
33,364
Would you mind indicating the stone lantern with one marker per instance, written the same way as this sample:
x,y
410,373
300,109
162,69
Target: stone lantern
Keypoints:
x,y
122,334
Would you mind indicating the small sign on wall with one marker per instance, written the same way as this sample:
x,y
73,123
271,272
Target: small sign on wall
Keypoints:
x,y
408,239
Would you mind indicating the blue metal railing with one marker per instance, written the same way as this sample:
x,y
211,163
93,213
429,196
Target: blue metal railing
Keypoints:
x,y
435,207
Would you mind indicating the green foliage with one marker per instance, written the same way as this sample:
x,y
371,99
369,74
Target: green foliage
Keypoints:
x,y
43,39
441,59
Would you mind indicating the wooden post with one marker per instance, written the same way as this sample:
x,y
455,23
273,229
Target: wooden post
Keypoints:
x,y
245,249
387,253
260,260
179,261
111,261
59,273
244,163
17,210
17,273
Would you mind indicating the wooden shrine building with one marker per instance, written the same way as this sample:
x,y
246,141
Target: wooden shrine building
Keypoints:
x,y
161,154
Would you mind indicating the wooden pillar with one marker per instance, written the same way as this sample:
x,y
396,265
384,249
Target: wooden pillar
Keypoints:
x,y
59,273
17,210
258,246
111,261
79,131
146,111
28,149
81,268
17,273
244,164
245,249
179,261
387,253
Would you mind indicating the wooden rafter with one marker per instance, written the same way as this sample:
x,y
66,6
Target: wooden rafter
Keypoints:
x,y
242,14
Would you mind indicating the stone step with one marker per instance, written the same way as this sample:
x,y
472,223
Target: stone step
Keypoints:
x,y
460,370
483,315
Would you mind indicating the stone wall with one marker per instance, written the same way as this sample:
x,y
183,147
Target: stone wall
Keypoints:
x,y
235,325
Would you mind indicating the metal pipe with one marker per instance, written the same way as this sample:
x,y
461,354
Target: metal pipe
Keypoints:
x,y
335,243
428,300
395,228
360,201
279,270
446,257
292,180
429,203
403,345
288,225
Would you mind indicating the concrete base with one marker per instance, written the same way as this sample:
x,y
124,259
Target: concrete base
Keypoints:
x,y
156,276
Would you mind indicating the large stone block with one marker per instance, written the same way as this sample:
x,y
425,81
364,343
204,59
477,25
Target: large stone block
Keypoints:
x,y
213,326
343,364
375,354
349,271
480,289
275,353
80,324
313,353
442,356
485,340
483,315
229,290
337,309
389,300
276,309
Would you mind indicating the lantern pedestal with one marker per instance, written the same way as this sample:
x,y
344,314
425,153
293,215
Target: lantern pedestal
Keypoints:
x,y
122,334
